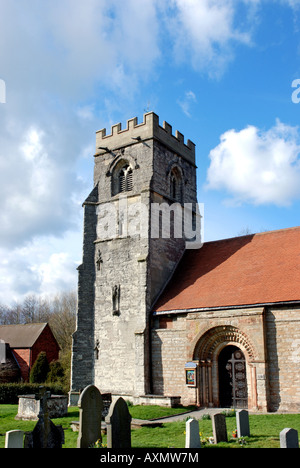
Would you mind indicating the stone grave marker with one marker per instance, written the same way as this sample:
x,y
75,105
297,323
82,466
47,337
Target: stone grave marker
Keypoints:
x,y
219,428
242,423
29,407
45,434
192,437
90,414
289,438
118,422
14,439
2,352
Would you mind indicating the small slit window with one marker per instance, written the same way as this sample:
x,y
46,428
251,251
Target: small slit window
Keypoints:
x,y
176,185
173,186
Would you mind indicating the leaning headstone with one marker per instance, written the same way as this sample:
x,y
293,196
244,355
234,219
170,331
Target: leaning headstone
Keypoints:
x,y
289,438
118,422
242,423
90,414
219,428
45,434
192,437
14,439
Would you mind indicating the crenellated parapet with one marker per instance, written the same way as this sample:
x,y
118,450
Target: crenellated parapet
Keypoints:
x,y
148,129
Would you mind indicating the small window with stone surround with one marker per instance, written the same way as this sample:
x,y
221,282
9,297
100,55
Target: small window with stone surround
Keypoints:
x,y
176,185
122,178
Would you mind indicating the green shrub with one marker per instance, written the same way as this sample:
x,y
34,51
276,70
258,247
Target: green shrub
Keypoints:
x,y
40,369
9,392
56,373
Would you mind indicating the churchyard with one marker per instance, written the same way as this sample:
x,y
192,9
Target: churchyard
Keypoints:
x,y
230,430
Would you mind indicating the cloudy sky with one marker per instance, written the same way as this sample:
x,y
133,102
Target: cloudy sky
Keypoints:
x,y
225,73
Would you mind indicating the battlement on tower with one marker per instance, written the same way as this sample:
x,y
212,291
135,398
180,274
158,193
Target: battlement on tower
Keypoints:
x,y
148,129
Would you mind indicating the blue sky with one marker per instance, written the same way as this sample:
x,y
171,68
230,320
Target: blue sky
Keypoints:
x,y
219,71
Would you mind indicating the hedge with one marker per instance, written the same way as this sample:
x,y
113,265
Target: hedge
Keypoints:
x,y
9,392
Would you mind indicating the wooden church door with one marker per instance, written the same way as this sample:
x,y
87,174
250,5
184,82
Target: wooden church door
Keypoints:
x,y
233,391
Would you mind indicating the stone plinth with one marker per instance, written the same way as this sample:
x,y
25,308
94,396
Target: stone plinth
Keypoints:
x,y
29,407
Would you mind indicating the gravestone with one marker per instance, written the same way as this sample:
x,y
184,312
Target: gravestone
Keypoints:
x,y
118,422
29,407
289,438
45,434
2,352
90,414
192,437
242,423
219,428
14,439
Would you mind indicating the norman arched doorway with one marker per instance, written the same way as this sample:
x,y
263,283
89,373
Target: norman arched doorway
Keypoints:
x,y
233,390
214,350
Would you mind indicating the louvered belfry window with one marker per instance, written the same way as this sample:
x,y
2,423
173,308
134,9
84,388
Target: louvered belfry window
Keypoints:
x,y
125,179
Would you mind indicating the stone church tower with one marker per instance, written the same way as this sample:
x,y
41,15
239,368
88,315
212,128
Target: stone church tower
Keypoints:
x,y
125,264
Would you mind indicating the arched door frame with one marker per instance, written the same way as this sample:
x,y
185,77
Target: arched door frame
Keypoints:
x,y
206,349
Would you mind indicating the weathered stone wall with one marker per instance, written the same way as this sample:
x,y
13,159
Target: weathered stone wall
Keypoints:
x,y
169,356
82,371
283,349
111,343
200,337
269,338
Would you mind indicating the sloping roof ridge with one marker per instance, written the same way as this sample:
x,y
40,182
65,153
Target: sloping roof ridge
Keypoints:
x,y
264,233
218,275
25,341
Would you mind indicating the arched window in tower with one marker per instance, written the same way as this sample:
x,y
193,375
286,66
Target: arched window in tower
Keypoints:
x,y
125,179
176,185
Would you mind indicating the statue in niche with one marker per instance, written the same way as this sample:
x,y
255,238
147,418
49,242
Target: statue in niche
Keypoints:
x,y
96,349
99,260
116,299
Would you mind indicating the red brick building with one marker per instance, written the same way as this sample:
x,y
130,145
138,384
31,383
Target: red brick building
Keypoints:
x,y
27,341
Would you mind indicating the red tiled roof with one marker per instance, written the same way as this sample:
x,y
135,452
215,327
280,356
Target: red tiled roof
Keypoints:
x,y
255,269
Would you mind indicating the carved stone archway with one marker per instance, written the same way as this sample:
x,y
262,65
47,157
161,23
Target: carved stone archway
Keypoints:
x,y
206,352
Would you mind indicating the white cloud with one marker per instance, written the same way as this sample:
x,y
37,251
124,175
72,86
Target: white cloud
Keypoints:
x,y
292,3
186,102
71,47
205,32
44,266
58,274
37,189
60,58
65,63
259,167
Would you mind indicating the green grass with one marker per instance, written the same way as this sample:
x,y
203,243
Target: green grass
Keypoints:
x,y
155,411
8,423
264,429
